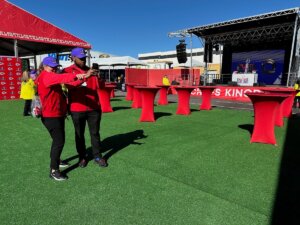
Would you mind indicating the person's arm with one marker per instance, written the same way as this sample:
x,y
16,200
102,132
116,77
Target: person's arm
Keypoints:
x,y
74,84
54,78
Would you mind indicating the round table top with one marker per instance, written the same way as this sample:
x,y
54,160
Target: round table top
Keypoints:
x,y
146,87
133,84
264,94
162,85
185,87
207,87
114,83
110,86
279,90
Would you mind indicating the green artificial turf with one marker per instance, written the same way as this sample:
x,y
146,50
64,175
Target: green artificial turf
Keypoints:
x,y
197,169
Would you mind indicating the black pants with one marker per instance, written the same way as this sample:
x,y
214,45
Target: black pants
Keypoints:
x,y
93,119
56,128
27,107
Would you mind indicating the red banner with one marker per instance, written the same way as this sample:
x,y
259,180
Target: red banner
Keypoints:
x,y
233,93
10,77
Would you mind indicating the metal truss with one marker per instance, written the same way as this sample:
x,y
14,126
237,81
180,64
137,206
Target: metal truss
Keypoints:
x,y
179,34
251,35
245,19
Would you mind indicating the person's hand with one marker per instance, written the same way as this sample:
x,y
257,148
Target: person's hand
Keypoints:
x,y
80,76
90,72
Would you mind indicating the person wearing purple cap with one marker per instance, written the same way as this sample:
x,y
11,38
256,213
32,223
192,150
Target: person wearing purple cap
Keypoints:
x,y
54,108
85,109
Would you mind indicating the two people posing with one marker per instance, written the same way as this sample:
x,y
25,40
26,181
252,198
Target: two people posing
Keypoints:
x,y
84,106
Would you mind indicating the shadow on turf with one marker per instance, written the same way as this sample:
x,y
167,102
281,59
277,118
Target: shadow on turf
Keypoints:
x,y
114,144
248,127
286,208
111,146
161,114
116,108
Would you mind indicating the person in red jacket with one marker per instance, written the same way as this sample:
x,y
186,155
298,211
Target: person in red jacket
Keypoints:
x,y
54,108
85,108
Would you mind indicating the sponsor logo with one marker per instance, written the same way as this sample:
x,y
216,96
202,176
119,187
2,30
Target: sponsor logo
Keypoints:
x,y
18,64
12,97
2,83
11,87
10,78
9,59
2,73
3,92
9,68
1,63
243,80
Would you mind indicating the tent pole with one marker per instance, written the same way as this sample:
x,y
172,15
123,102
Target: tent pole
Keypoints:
x,y
292,50
220,64
191,70
35,63
16,48
57,57
109,73
89,58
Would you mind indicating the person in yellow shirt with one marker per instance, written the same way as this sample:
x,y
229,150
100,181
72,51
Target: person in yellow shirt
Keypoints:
x,y
166,80
27,92
297,98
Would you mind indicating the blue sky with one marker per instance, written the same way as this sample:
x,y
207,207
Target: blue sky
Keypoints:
x,y
130,27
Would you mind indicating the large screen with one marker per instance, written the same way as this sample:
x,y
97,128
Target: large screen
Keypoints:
x,y
268,64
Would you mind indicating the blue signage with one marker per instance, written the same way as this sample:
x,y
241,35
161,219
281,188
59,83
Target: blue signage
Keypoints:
x,y
268,64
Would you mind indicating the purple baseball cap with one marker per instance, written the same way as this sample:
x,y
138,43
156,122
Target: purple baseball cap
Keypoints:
x,y
78,52
50,61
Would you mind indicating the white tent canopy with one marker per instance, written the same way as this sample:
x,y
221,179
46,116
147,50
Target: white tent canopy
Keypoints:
x,y
118,61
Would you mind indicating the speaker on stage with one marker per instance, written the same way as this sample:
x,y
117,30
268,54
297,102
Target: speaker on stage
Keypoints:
x,y
208,52
181,52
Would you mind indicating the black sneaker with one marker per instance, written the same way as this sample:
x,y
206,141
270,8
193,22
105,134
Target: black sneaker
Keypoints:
x,y
101,162
82,163
57,175
63,164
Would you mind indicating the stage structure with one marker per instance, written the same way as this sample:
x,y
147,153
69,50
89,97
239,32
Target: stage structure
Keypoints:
x,y
266,45
182,35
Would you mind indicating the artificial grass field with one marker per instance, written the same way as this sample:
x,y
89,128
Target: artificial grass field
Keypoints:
x,y
197,169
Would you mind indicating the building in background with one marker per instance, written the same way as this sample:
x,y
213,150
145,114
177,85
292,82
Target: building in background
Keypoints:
x,y
168,60
64,58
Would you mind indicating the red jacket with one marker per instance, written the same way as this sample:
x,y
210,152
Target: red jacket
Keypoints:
x,y
83,98
50,92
